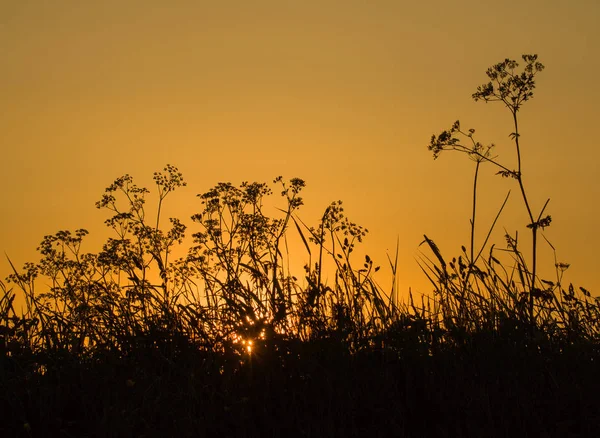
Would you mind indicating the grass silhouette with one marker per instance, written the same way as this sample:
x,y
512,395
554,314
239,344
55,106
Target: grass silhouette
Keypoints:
x,y
227,341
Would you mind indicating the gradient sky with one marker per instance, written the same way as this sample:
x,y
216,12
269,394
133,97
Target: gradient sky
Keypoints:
x,y
344,94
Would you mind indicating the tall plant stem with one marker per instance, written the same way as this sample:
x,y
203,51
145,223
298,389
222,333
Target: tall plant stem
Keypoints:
x,y
474,212
533,222
160,199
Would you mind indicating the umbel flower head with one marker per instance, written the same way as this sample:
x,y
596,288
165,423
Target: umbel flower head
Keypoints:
x,y
507,85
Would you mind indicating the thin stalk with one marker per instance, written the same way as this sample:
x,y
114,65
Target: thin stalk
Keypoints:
x,y
474,212
533,223
492,227
160,199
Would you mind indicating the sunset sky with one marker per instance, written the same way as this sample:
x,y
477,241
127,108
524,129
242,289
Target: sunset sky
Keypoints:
x,y
343,94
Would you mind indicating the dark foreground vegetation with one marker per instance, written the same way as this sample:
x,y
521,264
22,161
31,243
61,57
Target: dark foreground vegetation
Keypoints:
x,y
226,341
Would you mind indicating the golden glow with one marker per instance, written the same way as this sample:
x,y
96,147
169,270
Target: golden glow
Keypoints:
x,y
344,94
248,344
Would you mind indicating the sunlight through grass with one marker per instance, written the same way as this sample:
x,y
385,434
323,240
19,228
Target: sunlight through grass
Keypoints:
x,y
130,341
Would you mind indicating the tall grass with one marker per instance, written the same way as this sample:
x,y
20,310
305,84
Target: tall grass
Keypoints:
x,y
227,340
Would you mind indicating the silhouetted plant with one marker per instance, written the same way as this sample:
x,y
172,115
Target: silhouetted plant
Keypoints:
x,y
227,340
467,291
233,287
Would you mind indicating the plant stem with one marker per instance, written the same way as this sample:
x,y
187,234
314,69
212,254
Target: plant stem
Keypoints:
x,y
533,222
474,212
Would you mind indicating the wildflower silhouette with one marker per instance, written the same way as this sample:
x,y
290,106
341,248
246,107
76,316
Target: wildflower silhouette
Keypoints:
x,y
513,89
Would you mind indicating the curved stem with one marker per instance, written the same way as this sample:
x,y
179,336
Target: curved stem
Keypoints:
x,y
533,222
474,212
158,213
519,175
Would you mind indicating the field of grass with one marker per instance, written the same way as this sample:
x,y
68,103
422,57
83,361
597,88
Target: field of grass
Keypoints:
x,y
226,341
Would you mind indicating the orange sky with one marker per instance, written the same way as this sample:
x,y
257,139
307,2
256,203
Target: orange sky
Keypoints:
x,y
344,94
